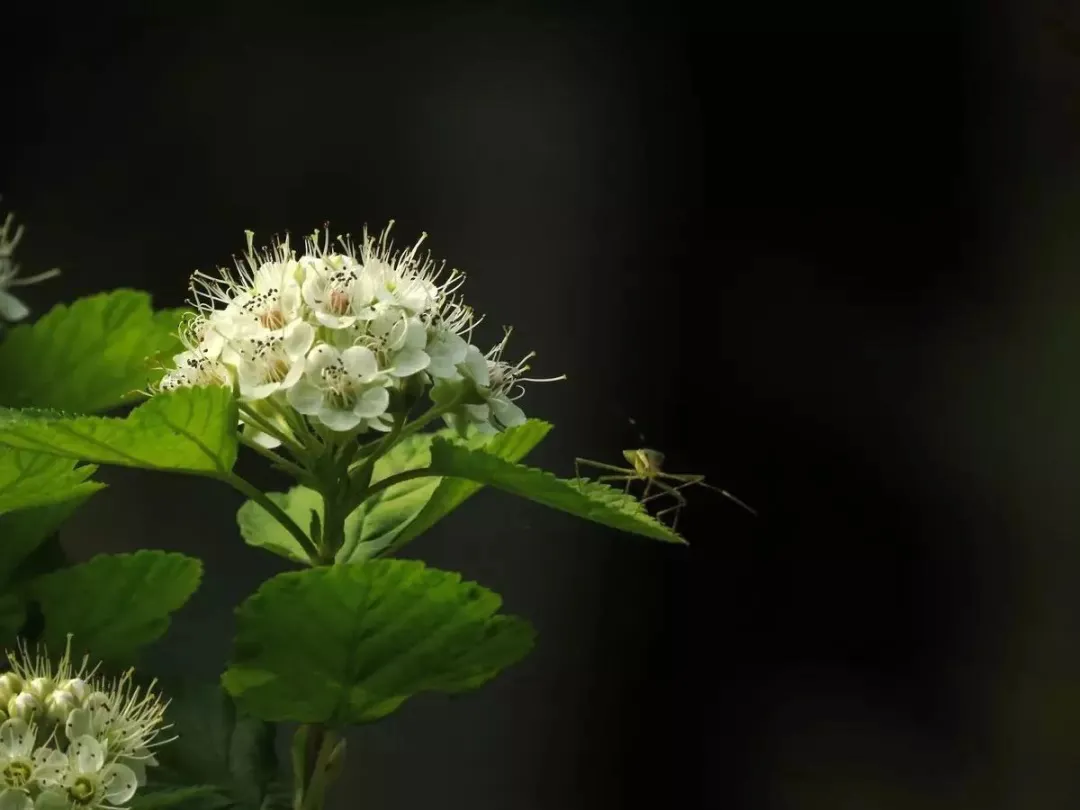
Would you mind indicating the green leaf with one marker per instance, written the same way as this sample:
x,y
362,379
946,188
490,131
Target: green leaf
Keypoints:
x,y
189,430
260,529
215,745
115,603
38,479
403,511
88,356
23,531
585,499
350,643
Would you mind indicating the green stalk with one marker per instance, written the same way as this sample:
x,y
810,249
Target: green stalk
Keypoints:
x,y
279,514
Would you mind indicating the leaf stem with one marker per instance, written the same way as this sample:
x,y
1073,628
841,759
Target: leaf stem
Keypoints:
x,y
399,478
298,472
254,493
263,424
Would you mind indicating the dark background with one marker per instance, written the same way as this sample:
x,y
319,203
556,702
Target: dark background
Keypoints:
x,y
829,260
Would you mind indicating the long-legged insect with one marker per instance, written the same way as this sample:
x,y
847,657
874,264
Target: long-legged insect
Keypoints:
x,y
647,465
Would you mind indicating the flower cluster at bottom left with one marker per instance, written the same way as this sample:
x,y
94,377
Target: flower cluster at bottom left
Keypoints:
x,y
71,740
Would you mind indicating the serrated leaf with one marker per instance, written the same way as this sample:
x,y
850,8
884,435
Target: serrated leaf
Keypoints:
x,y
585,499
38,479
189,430
350,643
215,745
260,529
510,445
115,603
22,531
87,356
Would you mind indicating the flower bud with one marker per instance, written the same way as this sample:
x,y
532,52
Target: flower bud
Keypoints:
x,y
11,682
23,706
96,700
78,688
59,704
40,688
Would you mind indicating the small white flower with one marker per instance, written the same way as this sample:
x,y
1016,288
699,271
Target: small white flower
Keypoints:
x,y
336,288
267,362
17,740
87,779
341,389
446,351
11,308
263,293
402,339
125,718
499,383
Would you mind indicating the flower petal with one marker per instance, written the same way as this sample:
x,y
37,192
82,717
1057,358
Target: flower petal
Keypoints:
x,y
299,335
476,366
51,800
305,398
506,413
78,724
409,361
360,362
11,308
87,754
120,783
373,402
319,358
338,420
15,800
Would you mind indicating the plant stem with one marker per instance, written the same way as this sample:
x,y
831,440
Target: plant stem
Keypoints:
x,y
265,426
279,514
295,470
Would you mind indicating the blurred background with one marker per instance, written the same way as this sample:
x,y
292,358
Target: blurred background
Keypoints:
x,y
826,258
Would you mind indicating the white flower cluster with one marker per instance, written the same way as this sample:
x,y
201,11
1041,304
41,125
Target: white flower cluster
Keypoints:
x,y
334,333
71,740
11,308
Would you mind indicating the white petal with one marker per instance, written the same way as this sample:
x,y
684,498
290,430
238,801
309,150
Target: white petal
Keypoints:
x,y
51,800
415,334
13,734
476,366
299,335
320,357
506,413
478,413
334,321
15,800
296,371
88,753
260,438
409,361
120,783
360,362
78,724
11,308
338,420
372,403
305,398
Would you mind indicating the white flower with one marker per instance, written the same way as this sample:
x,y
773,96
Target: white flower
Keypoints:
x,y
336,288
17,740
264,293
86,779
499,383
341,389
267,362
125,718
402,339
11,308
446,351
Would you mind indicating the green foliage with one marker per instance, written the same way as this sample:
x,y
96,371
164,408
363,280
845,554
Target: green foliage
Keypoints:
x,y
261,530
350,643
115,603
89,356
190,430
23,531
585,499
216,746
38,479
401,500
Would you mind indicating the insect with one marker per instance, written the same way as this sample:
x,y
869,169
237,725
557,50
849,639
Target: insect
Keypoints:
x,y
647,465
